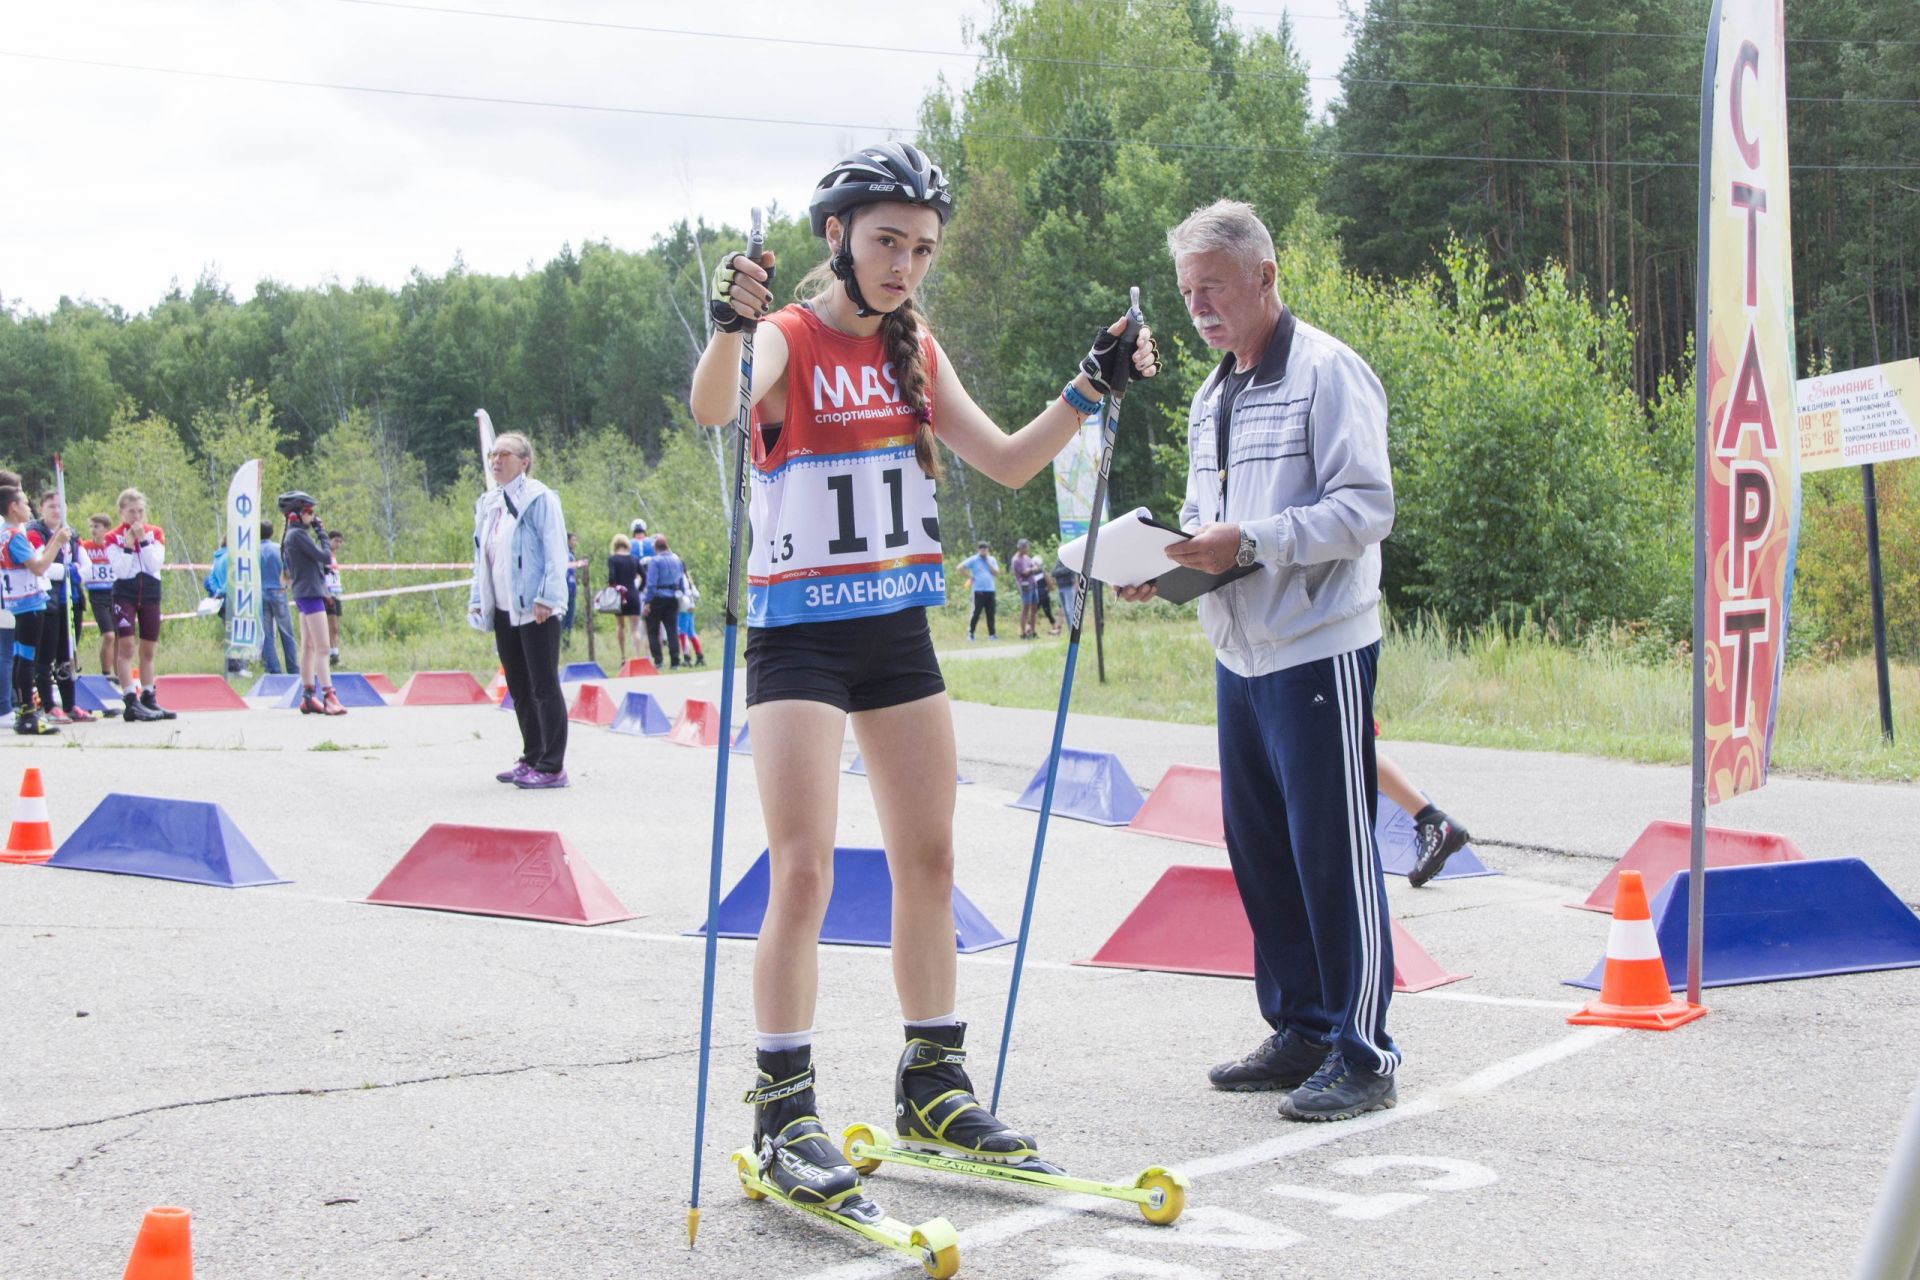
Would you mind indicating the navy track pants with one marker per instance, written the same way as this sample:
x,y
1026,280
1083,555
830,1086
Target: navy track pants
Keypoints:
x,y
1299,792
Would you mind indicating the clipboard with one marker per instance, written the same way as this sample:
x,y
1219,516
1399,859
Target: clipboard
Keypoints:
x,y
1133,551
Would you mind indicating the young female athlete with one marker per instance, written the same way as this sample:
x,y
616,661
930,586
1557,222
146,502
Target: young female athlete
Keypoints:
x,y
850,390
24,595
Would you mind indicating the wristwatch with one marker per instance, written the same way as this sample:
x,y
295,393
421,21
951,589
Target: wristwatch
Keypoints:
x,y
1243,558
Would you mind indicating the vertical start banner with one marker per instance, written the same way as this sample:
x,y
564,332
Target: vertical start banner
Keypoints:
x,y
1747,473
243,562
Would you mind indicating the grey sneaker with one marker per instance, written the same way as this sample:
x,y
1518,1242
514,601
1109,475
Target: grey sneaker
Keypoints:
x,y
534,780
1440,838
1283,1060
519,771
1338,1092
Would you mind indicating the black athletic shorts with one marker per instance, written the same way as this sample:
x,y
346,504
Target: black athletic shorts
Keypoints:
x,y
332,605
101,602
861,664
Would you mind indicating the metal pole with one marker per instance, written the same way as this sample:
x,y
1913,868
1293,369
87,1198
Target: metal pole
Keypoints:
x,y
1100,631
1892,1248
586,594
1702,444
1878,592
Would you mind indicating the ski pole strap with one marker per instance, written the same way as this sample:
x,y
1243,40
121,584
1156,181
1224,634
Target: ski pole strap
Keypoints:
x,y
775,1091
925,1053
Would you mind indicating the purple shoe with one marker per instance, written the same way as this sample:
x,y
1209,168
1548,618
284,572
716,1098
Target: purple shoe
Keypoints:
x,y
519,771
534,780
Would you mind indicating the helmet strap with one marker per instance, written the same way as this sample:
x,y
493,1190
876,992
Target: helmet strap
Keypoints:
x,y
841,264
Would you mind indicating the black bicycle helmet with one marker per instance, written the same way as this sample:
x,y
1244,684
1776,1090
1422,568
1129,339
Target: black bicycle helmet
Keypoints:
x,y
890,171
295,500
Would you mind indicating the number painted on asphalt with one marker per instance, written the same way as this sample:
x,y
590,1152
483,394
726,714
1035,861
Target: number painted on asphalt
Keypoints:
x,y
1448,1175
1210,1227
1099,1264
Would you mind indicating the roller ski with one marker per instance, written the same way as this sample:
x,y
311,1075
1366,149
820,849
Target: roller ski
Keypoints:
x,y
794,1161
942,1126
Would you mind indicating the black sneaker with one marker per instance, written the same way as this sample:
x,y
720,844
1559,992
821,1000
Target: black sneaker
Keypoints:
x,y
134,709
1440,838
1283,1060
1338,1092
32,724
152,703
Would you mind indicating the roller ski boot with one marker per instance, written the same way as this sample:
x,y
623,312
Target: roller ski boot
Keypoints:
x,y
794,1161
942,1126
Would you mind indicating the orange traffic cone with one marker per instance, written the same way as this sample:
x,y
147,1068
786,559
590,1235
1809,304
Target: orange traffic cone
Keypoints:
x,y
497,687
31,839
164,1248
1633,986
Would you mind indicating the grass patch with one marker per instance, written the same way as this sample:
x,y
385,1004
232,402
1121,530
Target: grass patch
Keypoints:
x,y
331,745
1615,696
1607,697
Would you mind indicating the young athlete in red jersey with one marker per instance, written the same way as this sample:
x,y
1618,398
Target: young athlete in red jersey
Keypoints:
x,y
850,389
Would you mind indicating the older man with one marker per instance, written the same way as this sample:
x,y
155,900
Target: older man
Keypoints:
x,y
1287,470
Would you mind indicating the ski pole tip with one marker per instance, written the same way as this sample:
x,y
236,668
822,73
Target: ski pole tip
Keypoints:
x,y
693,1225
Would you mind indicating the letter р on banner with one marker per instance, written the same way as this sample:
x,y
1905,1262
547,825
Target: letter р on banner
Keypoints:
x,y
1747,432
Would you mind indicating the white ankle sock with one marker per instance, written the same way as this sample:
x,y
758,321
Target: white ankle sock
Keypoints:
x,y
944,1020
781,1041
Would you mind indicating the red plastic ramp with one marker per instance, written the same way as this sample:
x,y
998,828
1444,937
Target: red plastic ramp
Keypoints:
x,y
1666,848
499,871
382,684
197,693
638,667
442,689
1191,921
591,706
698,725
1184,806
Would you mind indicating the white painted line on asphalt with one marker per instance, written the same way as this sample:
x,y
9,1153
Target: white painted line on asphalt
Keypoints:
x,y
1000,958
1471,997
1021,1221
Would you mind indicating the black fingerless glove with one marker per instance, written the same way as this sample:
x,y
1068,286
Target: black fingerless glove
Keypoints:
x,y
1103,363
727,318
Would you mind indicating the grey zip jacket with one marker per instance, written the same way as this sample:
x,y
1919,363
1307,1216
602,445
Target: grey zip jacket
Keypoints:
x,y
1307,476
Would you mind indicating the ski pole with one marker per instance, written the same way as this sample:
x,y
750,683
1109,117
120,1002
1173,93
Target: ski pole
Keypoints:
x,y
742,430
66,519
1083,579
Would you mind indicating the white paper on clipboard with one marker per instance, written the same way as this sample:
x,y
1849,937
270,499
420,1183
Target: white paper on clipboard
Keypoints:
x,y
1132,550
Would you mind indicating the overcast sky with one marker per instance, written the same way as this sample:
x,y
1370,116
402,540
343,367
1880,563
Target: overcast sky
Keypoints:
x,y
120,181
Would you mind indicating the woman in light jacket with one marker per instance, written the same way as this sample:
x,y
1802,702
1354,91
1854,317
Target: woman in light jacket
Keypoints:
x,y
520,594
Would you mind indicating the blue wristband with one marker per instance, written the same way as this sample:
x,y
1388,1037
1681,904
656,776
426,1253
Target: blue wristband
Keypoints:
x,y
1071,394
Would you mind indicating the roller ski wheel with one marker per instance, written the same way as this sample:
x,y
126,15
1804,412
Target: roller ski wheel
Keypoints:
x,y
1160,1194
934,1244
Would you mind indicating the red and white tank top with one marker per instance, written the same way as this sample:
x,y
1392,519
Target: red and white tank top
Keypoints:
x,y
844,520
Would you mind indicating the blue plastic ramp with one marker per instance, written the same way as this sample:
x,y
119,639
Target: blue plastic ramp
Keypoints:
x,y
1773,921
641,713
581,671
352,688
186,840
1092,786
274,686
860,912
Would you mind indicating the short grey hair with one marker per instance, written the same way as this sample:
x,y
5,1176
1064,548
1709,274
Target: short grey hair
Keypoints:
x,y
1225,224
518,445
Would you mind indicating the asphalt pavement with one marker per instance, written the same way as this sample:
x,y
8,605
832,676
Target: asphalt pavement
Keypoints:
x,y
342,1090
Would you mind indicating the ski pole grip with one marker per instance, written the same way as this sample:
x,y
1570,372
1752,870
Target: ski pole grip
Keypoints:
x,y
756,239
1129,339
